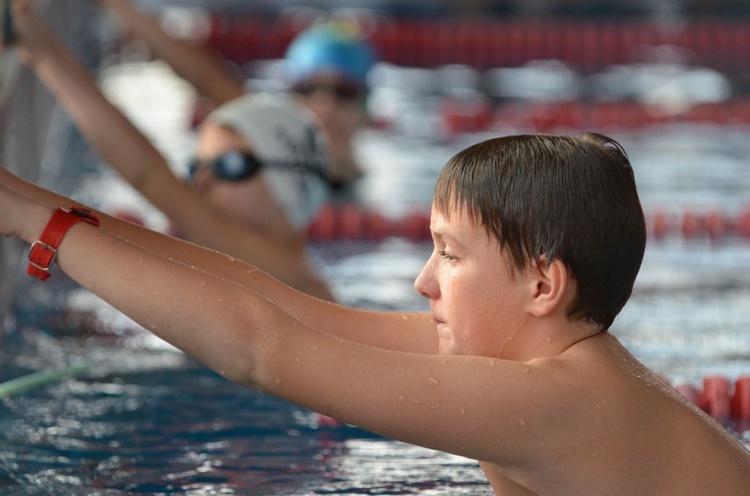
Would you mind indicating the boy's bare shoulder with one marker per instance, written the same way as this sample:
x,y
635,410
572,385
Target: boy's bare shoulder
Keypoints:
x,y
610,418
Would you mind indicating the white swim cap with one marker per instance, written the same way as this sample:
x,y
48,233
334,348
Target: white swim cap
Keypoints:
x,y
289,141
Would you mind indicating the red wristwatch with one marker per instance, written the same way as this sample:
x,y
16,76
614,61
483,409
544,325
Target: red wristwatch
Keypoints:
x,y
43,251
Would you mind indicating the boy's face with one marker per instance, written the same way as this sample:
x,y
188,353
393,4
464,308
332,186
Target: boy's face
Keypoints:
x,y
477,302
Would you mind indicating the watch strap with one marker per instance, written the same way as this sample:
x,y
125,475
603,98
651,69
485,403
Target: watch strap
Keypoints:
x,y
44,251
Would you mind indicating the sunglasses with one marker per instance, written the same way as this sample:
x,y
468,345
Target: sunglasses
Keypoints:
x,y
342,90
230,166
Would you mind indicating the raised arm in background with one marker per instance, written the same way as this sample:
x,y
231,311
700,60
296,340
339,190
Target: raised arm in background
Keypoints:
x,y
136,159
205,70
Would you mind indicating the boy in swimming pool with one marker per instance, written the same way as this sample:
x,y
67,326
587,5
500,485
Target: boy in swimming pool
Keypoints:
x,y
537,243
258,179
325,69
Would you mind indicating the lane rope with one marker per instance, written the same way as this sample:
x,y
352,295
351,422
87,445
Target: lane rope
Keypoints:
x,y
720,397
351,222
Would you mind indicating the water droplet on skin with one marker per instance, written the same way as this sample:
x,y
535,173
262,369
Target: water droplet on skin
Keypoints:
x,y
401,397
462,410
203,284
415,401
522,422
277,380
298,359
549,340
315,347
433,380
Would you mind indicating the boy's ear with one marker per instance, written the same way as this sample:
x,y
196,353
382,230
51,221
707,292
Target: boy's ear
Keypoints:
x,y
549,286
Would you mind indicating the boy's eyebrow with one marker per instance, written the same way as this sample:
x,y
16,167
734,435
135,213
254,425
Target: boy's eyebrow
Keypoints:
x,y
438,236
445,236
438,233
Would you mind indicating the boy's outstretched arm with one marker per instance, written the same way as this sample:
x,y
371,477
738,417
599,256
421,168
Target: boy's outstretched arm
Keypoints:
x,y
205,70
396,331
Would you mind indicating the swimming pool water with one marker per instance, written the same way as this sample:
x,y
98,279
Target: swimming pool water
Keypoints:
x,y
147,420
154,422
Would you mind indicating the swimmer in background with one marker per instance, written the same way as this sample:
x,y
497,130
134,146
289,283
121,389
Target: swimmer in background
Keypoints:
x,y
325,69
256,183
514,365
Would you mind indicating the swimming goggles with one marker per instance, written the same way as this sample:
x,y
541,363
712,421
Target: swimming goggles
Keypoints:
x,y
342,90
234,165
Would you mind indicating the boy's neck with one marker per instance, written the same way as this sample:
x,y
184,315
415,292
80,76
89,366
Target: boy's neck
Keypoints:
x,y
547,339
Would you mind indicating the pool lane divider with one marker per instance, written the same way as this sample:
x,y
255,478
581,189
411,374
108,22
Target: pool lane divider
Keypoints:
x,y
342,222
352,222
719,397
40,379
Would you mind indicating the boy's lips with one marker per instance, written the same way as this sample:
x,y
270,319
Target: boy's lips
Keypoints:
x,y
437,318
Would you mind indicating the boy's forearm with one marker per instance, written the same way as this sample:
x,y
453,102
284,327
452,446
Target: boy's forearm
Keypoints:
x,y
198,312
188,253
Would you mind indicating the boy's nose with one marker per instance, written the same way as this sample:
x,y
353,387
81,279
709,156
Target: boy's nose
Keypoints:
x,y
423,282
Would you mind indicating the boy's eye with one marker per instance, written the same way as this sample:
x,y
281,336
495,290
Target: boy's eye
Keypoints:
x,y
444,254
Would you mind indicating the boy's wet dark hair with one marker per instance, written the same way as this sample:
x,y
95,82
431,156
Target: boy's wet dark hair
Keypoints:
x,y
548,197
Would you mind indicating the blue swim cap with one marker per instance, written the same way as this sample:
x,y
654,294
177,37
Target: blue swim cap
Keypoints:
x,y
336,47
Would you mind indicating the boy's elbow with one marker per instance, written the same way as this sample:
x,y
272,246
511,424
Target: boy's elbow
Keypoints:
x,y
250,345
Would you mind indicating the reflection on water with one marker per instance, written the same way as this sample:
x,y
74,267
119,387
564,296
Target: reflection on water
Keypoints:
x,y
174,427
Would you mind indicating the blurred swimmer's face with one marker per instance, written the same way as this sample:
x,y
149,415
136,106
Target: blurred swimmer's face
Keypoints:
x,y
338,102
227,172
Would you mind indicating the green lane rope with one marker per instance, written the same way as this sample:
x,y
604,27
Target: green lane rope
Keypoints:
x,y
39,379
